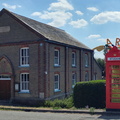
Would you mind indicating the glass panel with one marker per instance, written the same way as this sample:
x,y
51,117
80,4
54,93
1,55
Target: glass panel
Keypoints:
x,y
115,80
24,56
115,76
115,95
115,67
56,53
56,61
115,90
115,83
115,100
25,81
56,81
115,71
56,85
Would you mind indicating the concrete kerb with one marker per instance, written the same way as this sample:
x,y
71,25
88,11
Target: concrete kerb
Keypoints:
x,y
32,109
79,111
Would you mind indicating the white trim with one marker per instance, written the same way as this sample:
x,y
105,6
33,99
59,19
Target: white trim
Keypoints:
x,y
5,78
74,79
74,59
25,57
27,65
113,58
58,58
57,90
24,91
25,82
58,82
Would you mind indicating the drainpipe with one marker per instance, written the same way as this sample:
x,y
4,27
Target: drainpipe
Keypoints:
x,y
66,50
92,65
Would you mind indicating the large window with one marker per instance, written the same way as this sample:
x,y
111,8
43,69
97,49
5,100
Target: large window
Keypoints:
x,y
73,59
86,60
24,56
24,82
74,79
56,82
56,57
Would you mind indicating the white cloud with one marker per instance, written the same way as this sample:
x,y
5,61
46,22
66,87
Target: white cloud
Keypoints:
x,y
59,18
61,5
105,17
79,12
102,40
92,9
57,13
79,23
36,14
11,6
94,36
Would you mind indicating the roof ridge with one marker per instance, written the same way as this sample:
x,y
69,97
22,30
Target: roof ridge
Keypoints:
x,y
47,31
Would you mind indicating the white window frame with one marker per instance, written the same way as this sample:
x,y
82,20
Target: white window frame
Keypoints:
x,y
86,60
5,77
24,82
56,76
57,58
73,59
74,79
24,56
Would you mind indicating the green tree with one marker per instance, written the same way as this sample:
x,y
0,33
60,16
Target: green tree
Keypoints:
x,y
101,63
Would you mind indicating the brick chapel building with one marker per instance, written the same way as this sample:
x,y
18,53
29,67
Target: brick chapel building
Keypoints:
x,y
39,62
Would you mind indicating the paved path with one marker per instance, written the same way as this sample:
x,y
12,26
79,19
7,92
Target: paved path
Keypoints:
x,y
20,115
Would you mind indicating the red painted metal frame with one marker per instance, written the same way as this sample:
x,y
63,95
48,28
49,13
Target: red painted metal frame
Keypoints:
x,y
113,53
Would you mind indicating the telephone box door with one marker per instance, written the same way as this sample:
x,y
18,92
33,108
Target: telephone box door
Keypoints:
x,y
113,85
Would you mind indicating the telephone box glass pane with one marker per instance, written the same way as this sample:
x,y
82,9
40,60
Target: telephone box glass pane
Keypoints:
x,y
115,83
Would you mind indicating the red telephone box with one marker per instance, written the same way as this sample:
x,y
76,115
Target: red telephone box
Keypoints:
x,y
113,79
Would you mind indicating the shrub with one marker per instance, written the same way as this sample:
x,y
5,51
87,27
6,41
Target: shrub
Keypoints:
x,y
64,103
91,93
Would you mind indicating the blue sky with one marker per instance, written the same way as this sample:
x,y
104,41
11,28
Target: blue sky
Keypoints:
x,y
89,21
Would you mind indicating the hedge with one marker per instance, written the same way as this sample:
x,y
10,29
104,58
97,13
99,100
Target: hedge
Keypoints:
x,y
91,93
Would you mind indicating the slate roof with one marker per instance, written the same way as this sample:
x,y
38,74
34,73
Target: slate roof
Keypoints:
x,y
49,32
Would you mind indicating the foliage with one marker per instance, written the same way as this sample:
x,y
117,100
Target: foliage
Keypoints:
x,y
91,93
101,62
64,103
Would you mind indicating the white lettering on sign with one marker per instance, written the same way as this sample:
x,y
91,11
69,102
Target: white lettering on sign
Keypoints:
x,y
113,58
4,29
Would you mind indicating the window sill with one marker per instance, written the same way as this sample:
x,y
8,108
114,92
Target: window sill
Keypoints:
x,y
24,66
56,65
57,90
74,66
26,92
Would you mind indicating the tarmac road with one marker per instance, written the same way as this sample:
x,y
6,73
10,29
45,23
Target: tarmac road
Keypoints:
x,y
21,115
